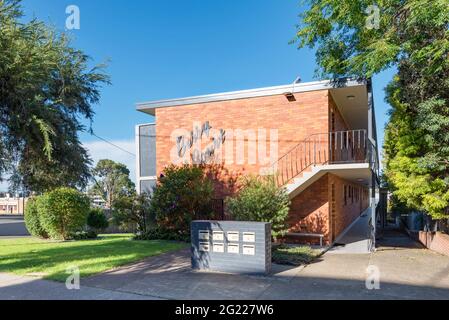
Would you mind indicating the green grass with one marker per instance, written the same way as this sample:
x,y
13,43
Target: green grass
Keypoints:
x,y
297,255
52,258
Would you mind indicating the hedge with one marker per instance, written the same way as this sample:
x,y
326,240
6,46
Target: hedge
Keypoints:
x,y
32,221
63,212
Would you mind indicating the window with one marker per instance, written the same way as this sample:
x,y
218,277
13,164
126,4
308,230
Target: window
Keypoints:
x,y
147,186
345,195
147,150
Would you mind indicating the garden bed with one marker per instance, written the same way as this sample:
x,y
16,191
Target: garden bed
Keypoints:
x,y
294,255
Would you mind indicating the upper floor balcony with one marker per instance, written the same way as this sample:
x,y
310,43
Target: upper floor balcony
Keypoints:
x,y
332,148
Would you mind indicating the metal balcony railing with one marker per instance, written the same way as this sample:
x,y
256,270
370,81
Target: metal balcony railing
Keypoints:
x,y
352,146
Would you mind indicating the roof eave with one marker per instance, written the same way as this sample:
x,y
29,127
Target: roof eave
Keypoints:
x,y
149,107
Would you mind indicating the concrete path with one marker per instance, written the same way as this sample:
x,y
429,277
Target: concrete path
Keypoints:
x,y
14,287
357,238
406,271
12,226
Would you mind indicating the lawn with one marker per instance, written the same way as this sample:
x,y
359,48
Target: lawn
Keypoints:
x,y
294,255
52,258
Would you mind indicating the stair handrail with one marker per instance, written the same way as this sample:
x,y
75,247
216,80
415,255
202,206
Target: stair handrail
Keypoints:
x,y
309,157
307,160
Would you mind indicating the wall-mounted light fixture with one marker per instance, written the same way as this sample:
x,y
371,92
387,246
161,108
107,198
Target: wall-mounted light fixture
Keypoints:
x,y
290,96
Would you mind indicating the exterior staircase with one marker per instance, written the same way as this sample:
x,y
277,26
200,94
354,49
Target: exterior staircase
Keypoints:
x,y
319,154
310,159
314,173
303,180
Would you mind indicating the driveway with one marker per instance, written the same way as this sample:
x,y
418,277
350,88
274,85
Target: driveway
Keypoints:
x,y
406,270
12,226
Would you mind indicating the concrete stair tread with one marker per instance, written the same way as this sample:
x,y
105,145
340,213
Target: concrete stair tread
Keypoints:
x,y
302,178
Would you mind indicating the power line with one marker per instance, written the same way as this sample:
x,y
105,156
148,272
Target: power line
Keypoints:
x,y
114,145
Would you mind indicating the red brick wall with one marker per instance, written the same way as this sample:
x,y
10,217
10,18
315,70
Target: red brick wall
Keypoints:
x,y
294,121
357,200
339,122
435,241
311,210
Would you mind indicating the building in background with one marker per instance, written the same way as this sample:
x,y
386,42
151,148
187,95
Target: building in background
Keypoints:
x,y
318,137
12,205
97,201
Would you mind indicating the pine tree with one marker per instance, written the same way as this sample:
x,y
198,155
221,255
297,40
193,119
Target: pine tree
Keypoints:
x,y
46,87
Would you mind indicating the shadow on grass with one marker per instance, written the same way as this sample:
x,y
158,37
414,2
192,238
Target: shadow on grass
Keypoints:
x,y
170,276
90,256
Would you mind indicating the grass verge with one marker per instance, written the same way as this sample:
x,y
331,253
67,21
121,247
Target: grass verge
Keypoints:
x,y
52,258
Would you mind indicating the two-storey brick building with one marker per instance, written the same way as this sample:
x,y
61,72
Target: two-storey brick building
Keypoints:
x,y
319,138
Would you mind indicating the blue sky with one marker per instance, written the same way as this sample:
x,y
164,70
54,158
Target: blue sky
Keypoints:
x,y
166,49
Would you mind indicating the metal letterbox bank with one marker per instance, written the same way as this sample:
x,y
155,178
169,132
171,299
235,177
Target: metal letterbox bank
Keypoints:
x,y
231,246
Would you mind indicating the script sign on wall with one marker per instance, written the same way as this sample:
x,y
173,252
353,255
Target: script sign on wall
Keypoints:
x,y
192,143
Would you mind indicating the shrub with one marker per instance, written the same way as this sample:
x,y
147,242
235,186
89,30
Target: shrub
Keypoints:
x,y
84,235
32,219
132,209
97,220
160,233
63,212
183,194
294,255
260,199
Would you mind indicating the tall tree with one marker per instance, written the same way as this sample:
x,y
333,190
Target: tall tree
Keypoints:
x,y
111,180
46,89
357,38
